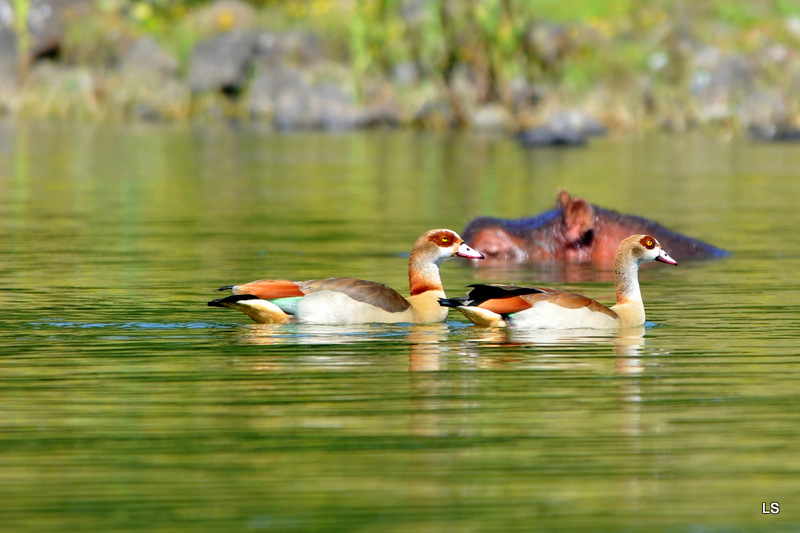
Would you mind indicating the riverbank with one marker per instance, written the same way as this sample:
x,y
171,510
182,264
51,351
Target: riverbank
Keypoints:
x,y
491,65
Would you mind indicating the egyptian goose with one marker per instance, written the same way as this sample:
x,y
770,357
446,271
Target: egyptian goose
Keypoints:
x,y
353,301
538,307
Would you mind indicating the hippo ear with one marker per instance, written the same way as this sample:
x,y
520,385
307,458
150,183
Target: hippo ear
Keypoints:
x,y
562,199
578,219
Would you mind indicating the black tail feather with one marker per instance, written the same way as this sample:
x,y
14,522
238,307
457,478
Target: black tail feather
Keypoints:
x,y
482,291
453,302
222,302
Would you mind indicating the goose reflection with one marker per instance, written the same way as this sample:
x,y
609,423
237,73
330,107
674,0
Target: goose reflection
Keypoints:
x,y
424,342
627,342
627,345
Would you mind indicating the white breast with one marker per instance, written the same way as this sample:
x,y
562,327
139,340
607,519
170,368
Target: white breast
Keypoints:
x,y
550,315
329,307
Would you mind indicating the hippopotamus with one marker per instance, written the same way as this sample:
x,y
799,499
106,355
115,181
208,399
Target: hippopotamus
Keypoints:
x,y
574,232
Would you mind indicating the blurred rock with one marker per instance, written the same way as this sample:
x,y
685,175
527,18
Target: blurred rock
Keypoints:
x,y
287,96
303,48
718,80
565,128
46,27
543,137
269,48
435,115
576,120
772,133
524,95
764,110
8,58
221,63
765,117
145,55
380,114
492,117
405,73
269,82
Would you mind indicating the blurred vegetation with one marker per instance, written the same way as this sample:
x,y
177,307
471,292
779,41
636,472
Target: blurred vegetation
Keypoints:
x,y
474,51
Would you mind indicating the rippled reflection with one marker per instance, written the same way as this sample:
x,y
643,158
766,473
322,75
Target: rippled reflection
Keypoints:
x,y
128,404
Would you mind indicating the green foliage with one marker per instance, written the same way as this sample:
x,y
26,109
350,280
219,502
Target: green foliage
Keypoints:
x,y
92,41
489,37
787,8
21,10
582,11
466,52
739,14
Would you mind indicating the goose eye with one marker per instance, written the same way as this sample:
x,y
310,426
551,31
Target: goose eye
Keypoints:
x,y
648,242
445,240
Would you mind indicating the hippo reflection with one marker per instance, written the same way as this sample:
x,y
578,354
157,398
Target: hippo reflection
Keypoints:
x,y
574,232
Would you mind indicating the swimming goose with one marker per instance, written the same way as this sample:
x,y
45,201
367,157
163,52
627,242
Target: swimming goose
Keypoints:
x,y
354,301
539,307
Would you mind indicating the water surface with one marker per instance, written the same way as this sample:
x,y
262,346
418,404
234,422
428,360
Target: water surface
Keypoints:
x,y
130,405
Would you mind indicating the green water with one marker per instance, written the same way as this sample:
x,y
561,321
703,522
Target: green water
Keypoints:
x,y
128,404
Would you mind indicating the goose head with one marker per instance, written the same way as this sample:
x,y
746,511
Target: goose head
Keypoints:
x,y
643,249
440,244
